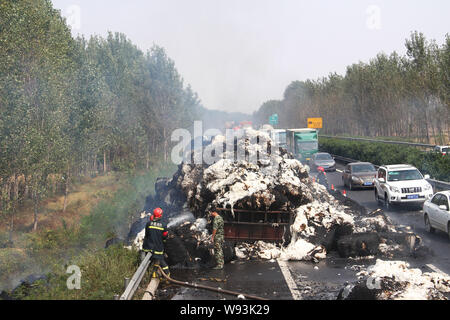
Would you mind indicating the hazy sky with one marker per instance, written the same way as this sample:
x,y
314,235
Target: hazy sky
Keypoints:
x,y
236,54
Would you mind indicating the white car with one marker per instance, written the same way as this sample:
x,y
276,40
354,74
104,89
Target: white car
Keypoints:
x,y
402,184
436,212
442,149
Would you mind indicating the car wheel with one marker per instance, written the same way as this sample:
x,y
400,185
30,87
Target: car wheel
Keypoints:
x,y
377,198
428,226
387,203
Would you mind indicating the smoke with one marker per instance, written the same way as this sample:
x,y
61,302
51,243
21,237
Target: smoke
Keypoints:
x,y
180,219
31,272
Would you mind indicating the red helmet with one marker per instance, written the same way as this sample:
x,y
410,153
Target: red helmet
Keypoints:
x,y
320,169
157,213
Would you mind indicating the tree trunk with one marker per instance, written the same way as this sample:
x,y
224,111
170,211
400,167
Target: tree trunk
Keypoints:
x,y
16,188
426,120
54,186
165,145
26,191
8,190
94,167
14,205
147,157
11,227
36,203
104,161
66,189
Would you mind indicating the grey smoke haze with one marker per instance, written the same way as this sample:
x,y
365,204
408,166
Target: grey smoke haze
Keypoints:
x,y
237,54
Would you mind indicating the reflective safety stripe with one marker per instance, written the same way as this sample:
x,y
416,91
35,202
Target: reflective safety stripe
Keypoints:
x,y
157,252
165,268
158,228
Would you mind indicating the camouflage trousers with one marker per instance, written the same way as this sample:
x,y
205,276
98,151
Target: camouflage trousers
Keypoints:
x,y
218,251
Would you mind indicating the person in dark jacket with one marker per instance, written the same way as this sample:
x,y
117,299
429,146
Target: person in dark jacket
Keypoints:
x,y
322,177
155,236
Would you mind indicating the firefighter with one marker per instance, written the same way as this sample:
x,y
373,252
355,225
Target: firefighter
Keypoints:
x,y
155,236
218,239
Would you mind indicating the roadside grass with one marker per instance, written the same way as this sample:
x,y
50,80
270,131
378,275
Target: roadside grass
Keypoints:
x,y
13,262
97,214
113,217
102,276
82,198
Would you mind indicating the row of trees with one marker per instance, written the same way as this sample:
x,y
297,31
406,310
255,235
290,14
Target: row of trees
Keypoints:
x,y
72,107
392,95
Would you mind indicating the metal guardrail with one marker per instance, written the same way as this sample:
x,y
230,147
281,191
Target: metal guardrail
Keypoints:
x,y
136,279
437,185
411,144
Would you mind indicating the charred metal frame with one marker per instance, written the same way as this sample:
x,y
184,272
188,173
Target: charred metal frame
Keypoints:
x,y
253,225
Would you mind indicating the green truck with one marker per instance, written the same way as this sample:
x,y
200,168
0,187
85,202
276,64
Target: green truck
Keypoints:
x,y
303,143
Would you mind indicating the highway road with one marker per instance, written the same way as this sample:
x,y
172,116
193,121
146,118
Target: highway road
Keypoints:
x,y
401,216
304,280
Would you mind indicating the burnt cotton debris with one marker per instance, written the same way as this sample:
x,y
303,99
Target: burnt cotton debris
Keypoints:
x,y
321,221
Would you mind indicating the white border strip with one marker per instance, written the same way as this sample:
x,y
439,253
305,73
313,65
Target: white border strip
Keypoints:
x,y
436,269
289,280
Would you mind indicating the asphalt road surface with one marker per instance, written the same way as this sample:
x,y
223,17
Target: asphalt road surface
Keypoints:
x,y
401,216
274,280
305,280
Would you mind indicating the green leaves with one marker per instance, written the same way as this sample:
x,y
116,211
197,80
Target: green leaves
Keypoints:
x,y
432,163
73,106
390,95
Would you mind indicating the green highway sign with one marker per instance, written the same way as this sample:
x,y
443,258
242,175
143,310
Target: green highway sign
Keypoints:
x,y
273,119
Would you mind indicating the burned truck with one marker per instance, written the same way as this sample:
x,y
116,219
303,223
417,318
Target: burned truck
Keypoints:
x,y
272,210
253,183
266,195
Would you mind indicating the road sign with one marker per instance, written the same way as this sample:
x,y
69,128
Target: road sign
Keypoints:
x,y
315,123
273,119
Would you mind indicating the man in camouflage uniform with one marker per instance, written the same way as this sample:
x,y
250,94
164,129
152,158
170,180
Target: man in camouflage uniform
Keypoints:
x,y
218,239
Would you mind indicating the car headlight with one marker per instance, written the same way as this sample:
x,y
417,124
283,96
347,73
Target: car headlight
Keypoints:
x,y
356,179
427,187
394,189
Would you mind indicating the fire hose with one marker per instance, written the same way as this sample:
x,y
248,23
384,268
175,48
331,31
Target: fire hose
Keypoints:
x,y
199,286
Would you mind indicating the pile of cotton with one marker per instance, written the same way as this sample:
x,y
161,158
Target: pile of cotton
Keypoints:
x,y
395,280
250,173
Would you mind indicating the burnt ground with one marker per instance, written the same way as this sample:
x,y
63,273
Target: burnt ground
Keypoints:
x,y
255,277
263,278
